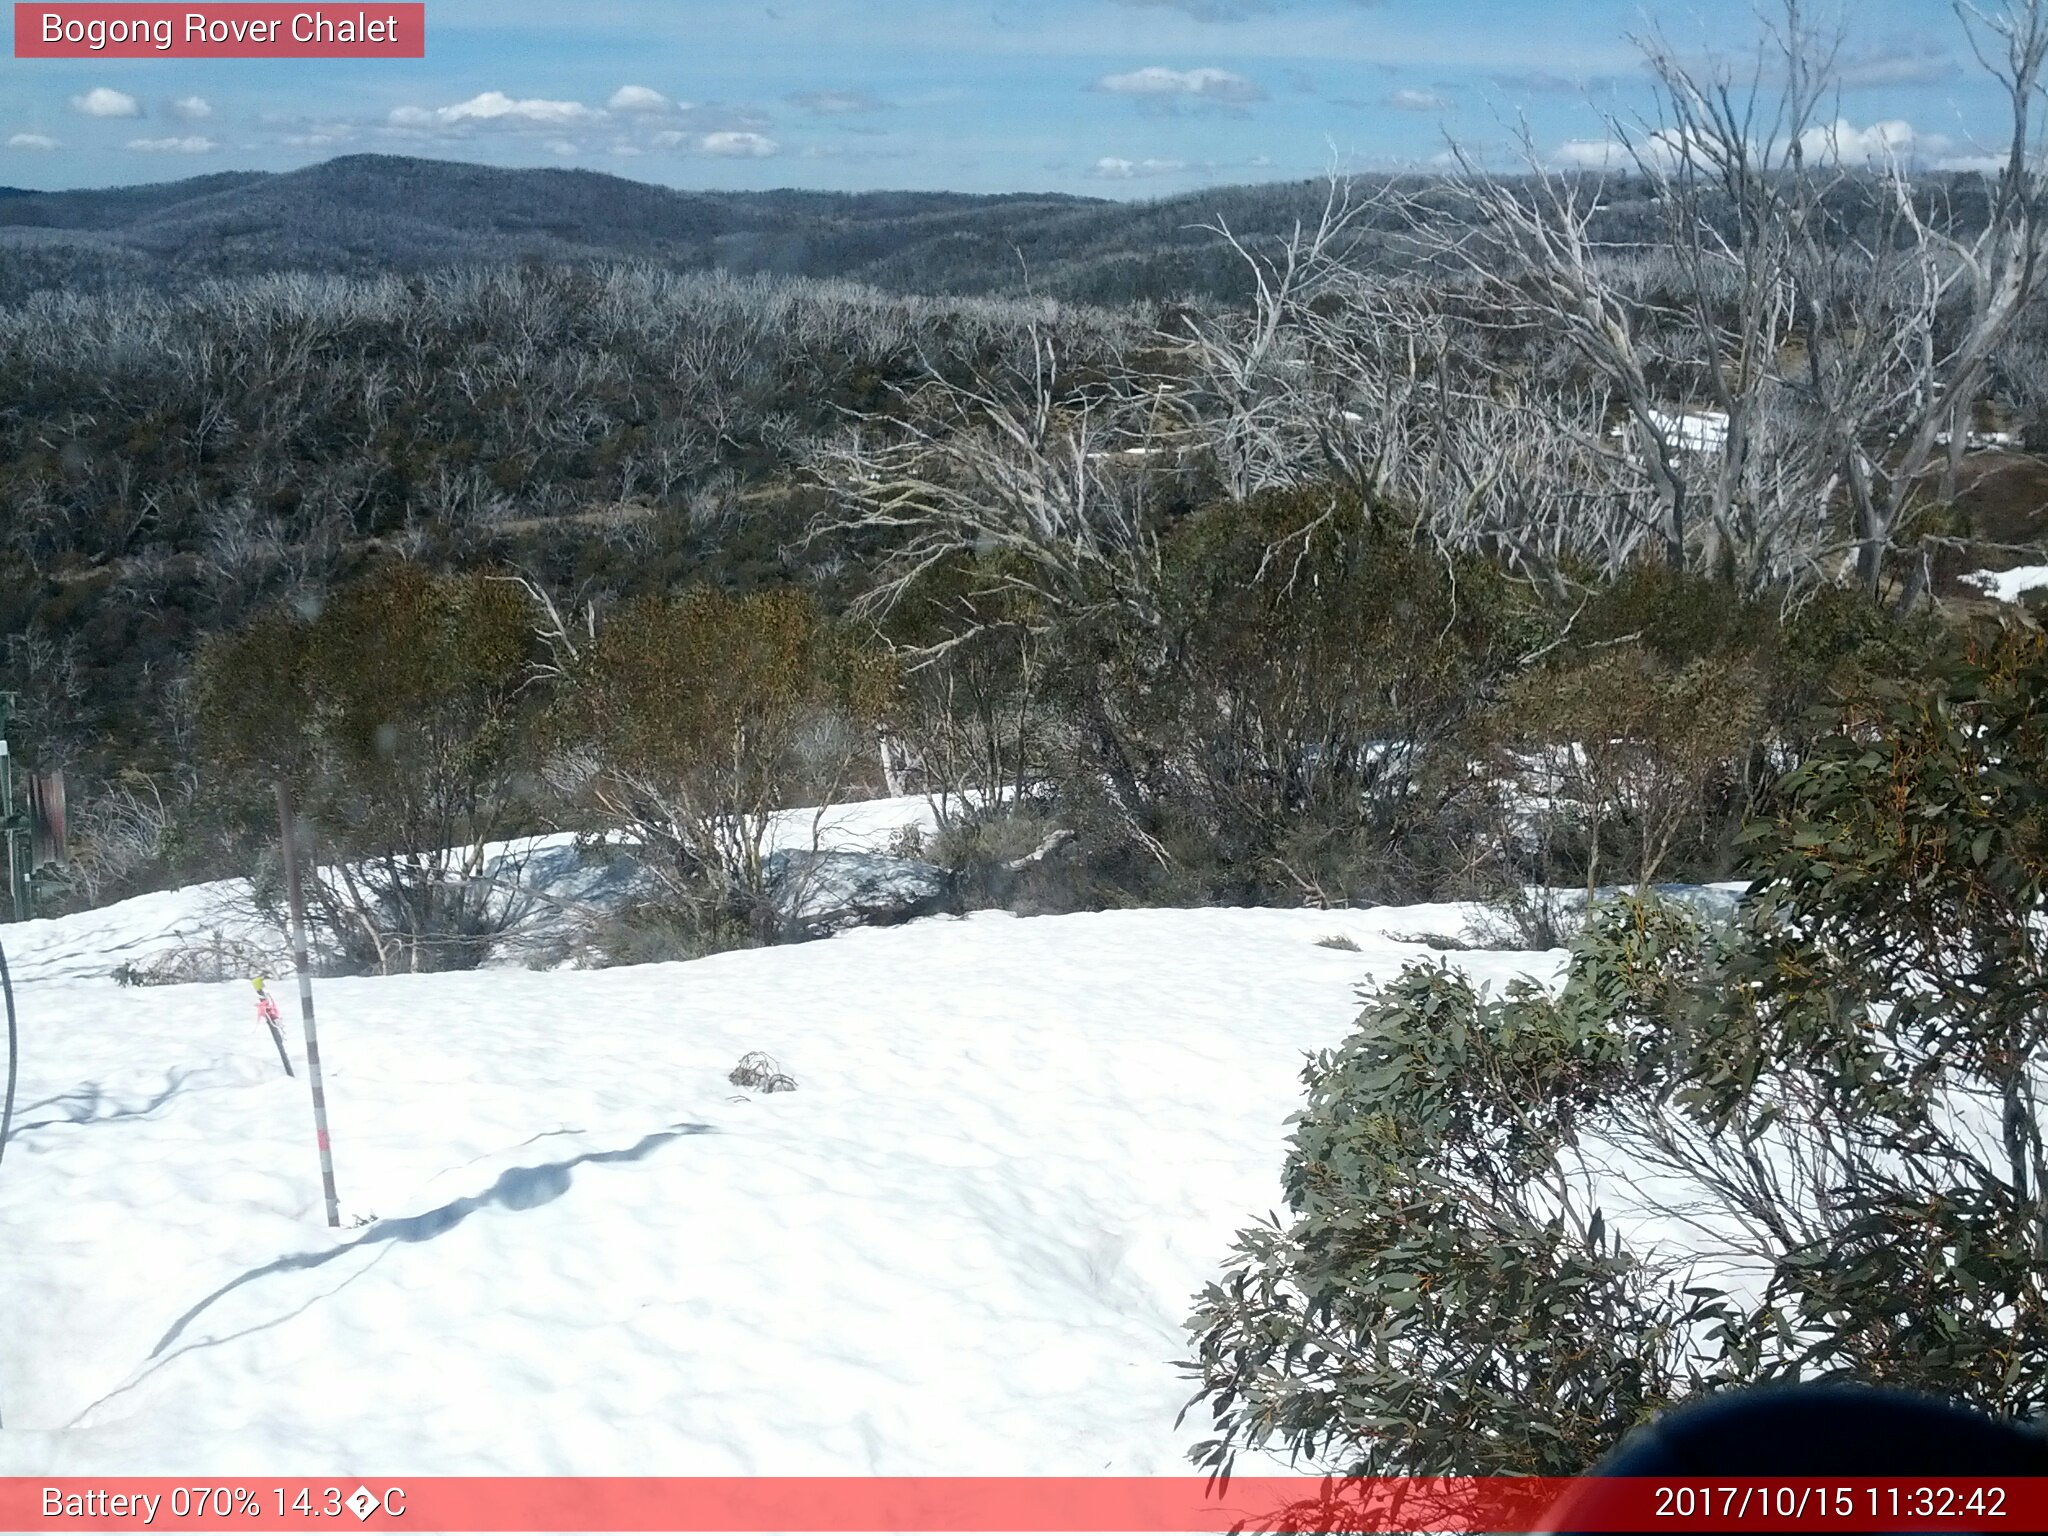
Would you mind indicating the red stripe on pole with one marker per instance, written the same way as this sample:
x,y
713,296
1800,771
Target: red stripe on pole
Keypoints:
x,y
1050,1504
376,30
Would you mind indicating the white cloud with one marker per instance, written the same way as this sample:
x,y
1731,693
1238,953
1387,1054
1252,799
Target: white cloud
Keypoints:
x,y
563,147
31,141
193,144
738,146
101,101
1116,168
1982,164
1838,143
1158,83
192,108
1407,100
638,98
1898,140
1663,150
1843,142
493,107
1589,154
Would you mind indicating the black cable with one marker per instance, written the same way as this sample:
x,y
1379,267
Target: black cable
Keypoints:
x,y
13,1054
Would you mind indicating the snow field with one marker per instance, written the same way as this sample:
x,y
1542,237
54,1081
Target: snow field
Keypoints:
x,y
965,1245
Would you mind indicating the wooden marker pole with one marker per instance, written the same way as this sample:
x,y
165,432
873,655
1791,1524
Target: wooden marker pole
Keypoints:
x,y
288,826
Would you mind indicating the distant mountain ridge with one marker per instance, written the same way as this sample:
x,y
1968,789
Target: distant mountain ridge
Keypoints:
x,y
363,214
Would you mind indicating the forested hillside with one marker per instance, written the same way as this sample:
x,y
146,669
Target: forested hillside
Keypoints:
x,y
380,214
250,395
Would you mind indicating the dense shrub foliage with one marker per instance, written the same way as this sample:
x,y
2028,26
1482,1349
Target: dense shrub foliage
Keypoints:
x,y
1311,705
1295,701
395,712
172,464
1830,1115
1432,1304
688,722
1297,726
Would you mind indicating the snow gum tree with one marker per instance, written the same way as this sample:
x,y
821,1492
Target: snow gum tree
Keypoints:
x,y
1805,1144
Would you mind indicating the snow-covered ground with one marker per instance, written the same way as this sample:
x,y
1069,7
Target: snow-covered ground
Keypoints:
x,y
563,883
966,1243
2009,586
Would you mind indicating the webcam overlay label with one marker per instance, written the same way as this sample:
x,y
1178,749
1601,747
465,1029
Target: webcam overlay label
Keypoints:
x,y
220,31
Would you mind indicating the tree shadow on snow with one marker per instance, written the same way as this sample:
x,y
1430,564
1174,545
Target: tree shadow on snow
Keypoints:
x,y
516,1189
91,1104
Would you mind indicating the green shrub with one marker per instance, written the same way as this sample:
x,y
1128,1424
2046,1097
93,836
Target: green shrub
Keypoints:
x,y
1677,616
1633,759
974,710
396,713
1065,853
1836,644
1836,1102
1894,973
1300,726
1685,703
651,932
1431,1307
700,716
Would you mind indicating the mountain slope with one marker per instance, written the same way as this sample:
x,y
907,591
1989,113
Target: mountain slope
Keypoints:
x,y
378,213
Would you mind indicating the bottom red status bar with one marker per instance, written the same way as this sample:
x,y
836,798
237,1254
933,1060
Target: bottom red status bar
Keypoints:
x,y
1012,1504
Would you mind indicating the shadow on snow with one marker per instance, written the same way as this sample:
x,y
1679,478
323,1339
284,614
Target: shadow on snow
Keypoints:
x,y
516,1189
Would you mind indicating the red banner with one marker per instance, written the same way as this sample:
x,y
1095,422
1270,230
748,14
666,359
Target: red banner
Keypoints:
x,y
1050,1504
238,31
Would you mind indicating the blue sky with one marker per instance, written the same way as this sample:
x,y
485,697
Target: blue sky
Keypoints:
x,y
1117,98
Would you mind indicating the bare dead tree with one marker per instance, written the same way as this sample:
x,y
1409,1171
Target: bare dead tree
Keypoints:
x,y
1033,484
1256,374
1028,470
1387,382
1796,367
1968,295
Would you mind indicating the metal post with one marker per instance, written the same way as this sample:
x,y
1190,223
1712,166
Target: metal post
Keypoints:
x,y
288,827
11,825
17,896
9,831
